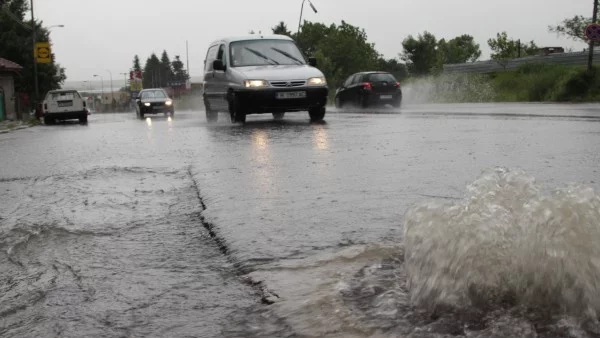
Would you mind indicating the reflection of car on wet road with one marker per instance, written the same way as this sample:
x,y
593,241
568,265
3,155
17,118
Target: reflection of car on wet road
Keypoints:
x,y
64,105
261,74
368,89
154,101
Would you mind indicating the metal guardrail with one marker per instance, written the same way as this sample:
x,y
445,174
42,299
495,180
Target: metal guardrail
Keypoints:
x,y
493,66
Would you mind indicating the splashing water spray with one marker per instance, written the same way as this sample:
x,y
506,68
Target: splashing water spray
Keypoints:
x,y
507,241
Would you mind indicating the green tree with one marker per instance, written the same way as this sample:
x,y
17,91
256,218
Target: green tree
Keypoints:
x,y
15,31
504,47
179,74
152,72
394,67
166,70
461,49
311,36
572,28
136,63
282,29
420,53
340,49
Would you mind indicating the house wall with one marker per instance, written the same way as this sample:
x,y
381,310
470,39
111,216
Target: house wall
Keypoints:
x,y
8,86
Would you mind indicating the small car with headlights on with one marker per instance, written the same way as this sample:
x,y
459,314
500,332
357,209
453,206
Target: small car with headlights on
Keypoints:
x,y
260,74
154,101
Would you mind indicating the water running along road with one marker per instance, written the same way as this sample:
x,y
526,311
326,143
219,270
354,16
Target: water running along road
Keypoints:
x,y
172,227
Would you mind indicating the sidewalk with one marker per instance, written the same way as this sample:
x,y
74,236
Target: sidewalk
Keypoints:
x,y
8,126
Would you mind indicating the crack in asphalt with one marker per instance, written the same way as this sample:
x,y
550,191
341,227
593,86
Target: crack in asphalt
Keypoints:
x,y
267,296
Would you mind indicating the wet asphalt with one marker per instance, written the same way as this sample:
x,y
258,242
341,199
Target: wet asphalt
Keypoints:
x,y
177,228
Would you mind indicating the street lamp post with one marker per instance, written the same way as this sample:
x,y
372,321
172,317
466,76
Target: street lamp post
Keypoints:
x,y
125,78
54,26
111,86
591,46
302,10
35,68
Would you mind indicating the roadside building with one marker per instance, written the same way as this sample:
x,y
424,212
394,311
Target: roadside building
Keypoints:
x,y
8,98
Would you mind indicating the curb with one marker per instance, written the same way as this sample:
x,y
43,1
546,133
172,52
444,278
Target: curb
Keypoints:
x,y
13,129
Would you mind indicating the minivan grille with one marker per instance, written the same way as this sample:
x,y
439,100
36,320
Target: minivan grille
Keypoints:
x,y
283,84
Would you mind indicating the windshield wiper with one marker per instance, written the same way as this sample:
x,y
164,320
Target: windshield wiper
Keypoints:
x,y
261,55
287,54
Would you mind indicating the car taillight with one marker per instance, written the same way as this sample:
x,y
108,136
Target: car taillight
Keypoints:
x,y
397,84
367,86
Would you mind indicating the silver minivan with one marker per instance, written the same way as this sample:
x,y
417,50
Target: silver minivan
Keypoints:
x,y
260,74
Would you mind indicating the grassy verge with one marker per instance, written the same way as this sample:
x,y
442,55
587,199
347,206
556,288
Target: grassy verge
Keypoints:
x,y
551,83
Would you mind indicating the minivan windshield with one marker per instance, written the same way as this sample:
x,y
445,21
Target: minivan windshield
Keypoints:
x,y
265,52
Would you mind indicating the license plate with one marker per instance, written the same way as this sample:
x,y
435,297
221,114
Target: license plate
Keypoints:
x,y
65,104
291,95
386,97
157,107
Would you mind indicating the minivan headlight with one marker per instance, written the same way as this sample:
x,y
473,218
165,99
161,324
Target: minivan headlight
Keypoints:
x,y
316,81
255,83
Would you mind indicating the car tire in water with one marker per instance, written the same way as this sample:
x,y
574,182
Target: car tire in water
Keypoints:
x,y
236,112
363,102
211,116
48,120
338,102
316,114
141,116
278,116
83,120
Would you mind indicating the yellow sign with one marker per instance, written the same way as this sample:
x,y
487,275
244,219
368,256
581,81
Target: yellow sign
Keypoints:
x,y
42,52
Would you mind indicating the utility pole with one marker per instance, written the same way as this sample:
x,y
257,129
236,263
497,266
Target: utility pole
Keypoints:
x,y
187,57
35,67
591,49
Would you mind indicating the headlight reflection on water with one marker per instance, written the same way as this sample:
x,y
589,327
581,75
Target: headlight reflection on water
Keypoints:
x,y
320,138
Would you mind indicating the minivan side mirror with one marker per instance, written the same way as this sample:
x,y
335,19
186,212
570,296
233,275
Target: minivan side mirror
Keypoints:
x,y
312,61
218,65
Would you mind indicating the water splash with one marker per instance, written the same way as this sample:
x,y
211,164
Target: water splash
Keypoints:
x,y
507,241
445,88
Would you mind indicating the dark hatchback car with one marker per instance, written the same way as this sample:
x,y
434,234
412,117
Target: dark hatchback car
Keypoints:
x,y
154,101
367,89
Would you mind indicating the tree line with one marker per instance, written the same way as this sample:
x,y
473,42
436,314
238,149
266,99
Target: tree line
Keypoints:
x,y
344,49
16,45
161,72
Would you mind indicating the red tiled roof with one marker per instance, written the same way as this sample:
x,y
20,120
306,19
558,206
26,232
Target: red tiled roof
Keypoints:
x,y
9,65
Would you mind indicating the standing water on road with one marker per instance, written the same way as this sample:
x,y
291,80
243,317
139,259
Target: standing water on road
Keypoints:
x,y
508,260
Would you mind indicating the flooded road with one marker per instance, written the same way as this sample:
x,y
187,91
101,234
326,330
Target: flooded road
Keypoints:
x,y
173,227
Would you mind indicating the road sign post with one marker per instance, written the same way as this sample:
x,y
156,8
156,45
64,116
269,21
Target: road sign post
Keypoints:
x,y
42,52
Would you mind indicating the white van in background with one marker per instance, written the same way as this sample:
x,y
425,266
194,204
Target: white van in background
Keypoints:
x,y
64,105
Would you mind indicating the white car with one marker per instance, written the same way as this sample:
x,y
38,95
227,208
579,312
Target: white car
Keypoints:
x,y
64,105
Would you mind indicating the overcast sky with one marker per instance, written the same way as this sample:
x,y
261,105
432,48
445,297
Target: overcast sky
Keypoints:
x,y
105,35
